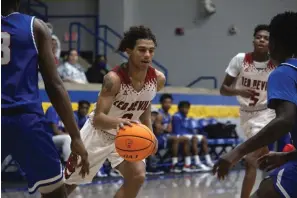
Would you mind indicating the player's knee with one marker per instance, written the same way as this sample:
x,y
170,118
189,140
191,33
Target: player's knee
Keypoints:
x,y
174,139
138,177
195,140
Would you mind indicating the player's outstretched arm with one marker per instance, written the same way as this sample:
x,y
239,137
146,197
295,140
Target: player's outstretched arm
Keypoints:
x,y
110,88
53,83
57,92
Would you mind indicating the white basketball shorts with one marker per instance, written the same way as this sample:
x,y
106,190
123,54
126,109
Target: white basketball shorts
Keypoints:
x,y
253,122
100,146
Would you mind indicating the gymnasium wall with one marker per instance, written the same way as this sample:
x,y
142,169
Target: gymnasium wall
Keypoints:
x,y
206,48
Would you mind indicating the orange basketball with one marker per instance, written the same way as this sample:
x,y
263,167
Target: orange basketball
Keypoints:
x,y
135,143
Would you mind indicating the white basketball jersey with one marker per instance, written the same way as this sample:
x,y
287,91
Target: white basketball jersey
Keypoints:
x,y
251,75
129,103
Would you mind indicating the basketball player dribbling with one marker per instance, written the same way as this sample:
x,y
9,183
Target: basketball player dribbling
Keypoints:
x,y
126,95
249,73
282,97
26,135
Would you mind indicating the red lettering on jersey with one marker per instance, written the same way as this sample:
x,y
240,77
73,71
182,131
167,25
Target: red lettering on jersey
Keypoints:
x,y
263,85
246,82
140,106
258,84
120,104
115,103
124,106
145,105
133,106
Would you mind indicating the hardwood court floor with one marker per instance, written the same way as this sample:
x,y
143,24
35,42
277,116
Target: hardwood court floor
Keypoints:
x,y
200,185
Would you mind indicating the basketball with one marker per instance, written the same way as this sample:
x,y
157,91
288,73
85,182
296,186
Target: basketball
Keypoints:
x,y
135,143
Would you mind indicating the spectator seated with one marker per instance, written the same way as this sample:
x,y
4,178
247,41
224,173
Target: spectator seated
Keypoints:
x,y
218,144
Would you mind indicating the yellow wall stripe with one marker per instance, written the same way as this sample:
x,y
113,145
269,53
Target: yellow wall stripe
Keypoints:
x,y
196,111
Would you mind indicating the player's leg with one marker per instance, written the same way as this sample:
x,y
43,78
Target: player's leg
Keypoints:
x,y
99,145
251,171
204,144
253,123
186,140
32,147
174,142
134,176
266,189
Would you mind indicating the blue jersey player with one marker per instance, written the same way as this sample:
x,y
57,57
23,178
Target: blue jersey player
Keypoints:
x,y
282,97
25,44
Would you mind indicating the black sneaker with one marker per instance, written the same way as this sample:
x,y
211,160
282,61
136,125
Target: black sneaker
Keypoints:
x,y
175,169
154,171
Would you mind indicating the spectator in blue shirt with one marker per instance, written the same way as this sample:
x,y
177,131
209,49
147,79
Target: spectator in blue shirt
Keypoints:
x,y
182,127
81,115
61,138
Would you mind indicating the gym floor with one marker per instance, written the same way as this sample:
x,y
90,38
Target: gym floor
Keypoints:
x,y
198,185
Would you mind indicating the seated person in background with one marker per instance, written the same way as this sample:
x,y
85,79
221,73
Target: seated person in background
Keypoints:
x,y
98,70
60,137
164,123
181,128
71,71
162,142
81,115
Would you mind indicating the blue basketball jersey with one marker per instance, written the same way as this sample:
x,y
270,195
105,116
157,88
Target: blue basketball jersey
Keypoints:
x,y
166,118
19,64
282,84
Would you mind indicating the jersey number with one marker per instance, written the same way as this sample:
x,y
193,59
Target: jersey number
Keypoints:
x,y
254,99
128,116
5,50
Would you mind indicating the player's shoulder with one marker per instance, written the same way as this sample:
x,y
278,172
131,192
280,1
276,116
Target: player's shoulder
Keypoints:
x,y
283,71
240,56
161,79
113,77
160,75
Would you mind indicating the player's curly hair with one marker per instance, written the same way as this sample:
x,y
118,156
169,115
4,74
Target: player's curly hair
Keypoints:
x,y
283,31
133,34
261,27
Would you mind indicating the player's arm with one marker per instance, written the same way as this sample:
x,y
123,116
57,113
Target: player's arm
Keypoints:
x,y
161,80
110,88
146,118
282,96
53,83
232,71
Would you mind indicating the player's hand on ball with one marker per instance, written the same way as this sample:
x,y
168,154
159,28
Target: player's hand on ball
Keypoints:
x,y
272,160
126,122
78,149
246,93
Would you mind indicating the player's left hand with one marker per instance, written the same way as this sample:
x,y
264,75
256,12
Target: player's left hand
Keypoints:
x,y
225,163
272,160
78,149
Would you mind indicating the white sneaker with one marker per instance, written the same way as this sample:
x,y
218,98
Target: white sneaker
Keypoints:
x,y
210,164
187,169
203,167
